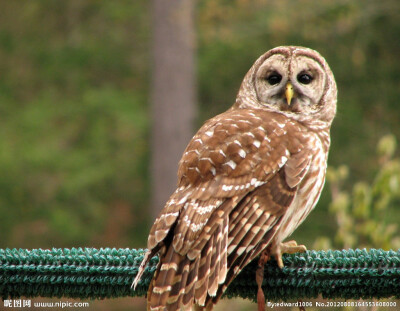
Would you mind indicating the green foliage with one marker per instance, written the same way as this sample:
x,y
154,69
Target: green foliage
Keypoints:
x,y
367,216
73,130
69,162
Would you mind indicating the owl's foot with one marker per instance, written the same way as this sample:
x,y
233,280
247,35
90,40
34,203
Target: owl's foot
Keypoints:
x,y
289,247
259,279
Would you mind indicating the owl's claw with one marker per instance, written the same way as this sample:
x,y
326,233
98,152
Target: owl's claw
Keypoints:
x,y
289,247
259,279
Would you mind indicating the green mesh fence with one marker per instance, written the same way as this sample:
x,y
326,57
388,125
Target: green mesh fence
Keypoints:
x,y
106,273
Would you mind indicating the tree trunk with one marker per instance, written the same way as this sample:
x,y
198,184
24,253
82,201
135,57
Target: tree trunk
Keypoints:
x,y
172,94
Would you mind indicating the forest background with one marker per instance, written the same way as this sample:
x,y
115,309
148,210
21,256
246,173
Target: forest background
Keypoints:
x,y
78,114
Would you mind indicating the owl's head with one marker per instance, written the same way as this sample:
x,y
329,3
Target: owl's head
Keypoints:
x,y
292,80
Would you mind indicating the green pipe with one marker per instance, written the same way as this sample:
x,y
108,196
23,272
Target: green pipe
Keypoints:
x,y
89,273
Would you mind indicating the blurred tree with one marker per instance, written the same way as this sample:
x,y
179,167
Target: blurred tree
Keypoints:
x,y
366,218
73,123
172,93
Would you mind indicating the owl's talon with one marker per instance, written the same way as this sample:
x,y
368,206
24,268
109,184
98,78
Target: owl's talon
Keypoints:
x,y
289,247
290,243
259,279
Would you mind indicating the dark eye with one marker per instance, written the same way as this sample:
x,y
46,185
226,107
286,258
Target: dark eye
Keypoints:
x,y
304,78
275,78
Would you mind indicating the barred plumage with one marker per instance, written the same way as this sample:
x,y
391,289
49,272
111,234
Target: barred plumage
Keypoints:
x,y
246,180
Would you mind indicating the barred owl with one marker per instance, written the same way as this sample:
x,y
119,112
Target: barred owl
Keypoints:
x,y
246,180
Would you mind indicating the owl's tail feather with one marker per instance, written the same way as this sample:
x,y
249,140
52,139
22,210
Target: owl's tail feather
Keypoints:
x,y
148,255
204,272
181,282
174,282
171,271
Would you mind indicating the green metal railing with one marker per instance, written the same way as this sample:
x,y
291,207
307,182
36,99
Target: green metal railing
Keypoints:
x,y
104,273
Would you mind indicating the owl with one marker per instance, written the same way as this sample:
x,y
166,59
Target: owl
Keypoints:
x,y
246,181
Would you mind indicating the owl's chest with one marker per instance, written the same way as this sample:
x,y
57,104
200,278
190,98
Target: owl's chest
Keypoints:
x,y
308,193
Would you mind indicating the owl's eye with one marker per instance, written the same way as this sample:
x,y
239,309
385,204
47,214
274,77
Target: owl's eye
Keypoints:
x,y
275,78
304,78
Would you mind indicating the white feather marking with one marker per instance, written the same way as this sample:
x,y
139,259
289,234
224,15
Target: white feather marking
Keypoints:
x,y
167,266
194,168
254,182
213,171
231,163
187,220
237,143
160,235
247,227
283,161
169,215
241,250
207,159
207,209
171,202
257,143
193,150
245,121
183,200
227,188
210,133
231,248
197,227
160,290
242,153
186,205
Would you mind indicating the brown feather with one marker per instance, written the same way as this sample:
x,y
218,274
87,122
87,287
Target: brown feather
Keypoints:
x,y
204,272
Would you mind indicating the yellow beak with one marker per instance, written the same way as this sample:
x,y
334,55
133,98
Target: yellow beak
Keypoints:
x,y
289,93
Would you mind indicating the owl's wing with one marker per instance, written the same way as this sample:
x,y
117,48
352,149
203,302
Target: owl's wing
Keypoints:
x,y
237,177
253,225
230,156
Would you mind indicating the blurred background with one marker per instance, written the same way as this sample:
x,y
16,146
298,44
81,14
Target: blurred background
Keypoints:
x,y
98,100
